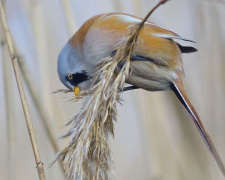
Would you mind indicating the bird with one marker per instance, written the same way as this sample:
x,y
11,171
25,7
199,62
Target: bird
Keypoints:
x,y
156,63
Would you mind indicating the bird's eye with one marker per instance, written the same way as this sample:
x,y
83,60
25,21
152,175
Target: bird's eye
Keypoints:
x,y
70,76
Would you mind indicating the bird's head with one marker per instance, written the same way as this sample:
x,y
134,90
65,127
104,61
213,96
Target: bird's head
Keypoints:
x,y
71,70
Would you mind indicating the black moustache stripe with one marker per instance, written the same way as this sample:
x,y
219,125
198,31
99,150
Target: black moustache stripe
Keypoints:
x,y
78,78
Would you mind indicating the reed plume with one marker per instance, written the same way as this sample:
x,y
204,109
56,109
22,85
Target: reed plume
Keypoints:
x,y
88,154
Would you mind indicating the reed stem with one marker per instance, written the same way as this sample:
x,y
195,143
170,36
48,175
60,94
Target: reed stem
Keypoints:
x,y
39,164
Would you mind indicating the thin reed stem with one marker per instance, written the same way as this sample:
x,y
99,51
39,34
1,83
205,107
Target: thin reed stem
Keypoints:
x,y
10,114
150,12
39,164
69,16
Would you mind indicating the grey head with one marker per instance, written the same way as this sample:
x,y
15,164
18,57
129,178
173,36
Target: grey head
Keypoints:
x,y
71,70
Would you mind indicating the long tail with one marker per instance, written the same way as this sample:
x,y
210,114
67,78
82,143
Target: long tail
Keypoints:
x,y
179,90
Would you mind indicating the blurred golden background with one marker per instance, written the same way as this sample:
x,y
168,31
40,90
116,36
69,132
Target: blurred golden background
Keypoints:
x,y
155,138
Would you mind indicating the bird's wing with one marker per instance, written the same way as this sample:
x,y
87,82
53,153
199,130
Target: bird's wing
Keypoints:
x,y
101,35
158,53
154,43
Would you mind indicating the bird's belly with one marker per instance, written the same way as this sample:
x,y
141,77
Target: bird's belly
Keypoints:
x,y
148,84
151,77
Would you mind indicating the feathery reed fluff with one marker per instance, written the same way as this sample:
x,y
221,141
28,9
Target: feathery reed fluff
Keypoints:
x,y
88,154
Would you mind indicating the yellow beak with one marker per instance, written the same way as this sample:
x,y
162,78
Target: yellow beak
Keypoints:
x,y
76,91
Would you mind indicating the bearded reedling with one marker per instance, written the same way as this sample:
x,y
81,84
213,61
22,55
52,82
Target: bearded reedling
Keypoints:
x,y
156,62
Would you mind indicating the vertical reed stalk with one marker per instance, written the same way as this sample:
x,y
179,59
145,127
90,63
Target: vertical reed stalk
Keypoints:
x,y
69,17
11,167
39,164
38,25
117,5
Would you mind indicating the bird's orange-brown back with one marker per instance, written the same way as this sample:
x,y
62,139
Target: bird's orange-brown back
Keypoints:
x,y
115,26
